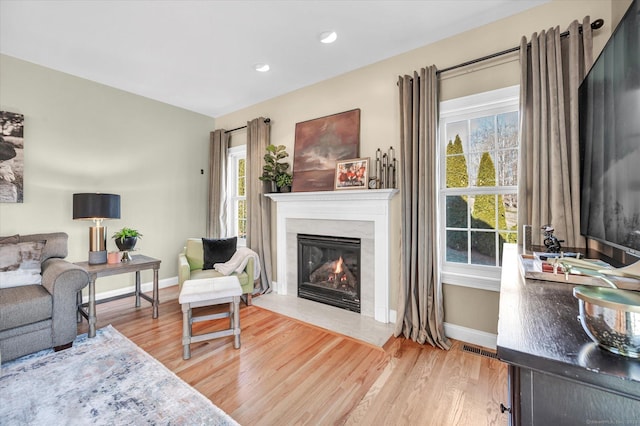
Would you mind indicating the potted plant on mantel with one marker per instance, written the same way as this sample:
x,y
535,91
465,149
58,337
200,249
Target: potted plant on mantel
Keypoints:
x,y
284,181
274,170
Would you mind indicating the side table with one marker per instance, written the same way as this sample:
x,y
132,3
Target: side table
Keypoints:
x,y
136,264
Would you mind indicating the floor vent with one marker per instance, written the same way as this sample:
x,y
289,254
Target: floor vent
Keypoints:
x,y
479,351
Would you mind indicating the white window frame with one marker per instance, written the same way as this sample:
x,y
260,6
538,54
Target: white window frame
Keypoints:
x,y
465,108
234,155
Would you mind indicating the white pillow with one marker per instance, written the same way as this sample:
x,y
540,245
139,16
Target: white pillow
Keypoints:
x,y
20,263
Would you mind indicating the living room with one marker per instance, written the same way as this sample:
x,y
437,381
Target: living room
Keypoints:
x,y
82,136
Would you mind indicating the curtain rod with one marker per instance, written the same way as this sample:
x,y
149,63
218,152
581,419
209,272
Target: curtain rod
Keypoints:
x,y
597,24
266,120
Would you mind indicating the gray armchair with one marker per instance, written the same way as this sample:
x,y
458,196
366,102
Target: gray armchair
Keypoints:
x,y
35,317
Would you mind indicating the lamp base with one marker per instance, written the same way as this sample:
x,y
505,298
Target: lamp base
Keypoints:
x,y
97,257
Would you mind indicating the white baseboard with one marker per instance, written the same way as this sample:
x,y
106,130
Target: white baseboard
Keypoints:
x,y
145,287
470,335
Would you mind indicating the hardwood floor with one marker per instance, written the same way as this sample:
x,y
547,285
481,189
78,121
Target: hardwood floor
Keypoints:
x,y
288,372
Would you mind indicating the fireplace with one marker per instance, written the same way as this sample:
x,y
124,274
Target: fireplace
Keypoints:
x,y
332,213
329,270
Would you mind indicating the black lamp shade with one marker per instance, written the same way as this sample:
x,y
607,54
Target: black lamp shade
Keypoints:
x,y
96,206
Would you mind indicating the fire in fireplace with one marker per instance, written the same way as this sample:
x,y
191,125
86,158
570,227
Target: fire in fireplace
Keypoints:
x,y
329,270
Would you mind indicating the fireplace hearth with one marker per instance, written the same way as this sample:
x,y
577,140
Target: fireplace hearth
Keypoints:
x,y
329,270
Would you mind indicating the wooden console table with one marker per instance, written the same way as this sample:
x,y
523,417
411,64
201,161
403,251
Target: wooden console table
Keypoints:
x,y
138,263
557,375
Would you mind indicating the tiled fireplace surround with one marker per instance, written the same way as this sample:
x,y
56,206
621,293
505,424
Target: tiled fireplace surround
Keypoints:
x,y
360,214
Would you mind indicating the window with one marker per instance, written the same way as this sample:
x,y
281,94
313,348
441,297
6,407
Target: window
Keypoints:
x,y
478,203
236,193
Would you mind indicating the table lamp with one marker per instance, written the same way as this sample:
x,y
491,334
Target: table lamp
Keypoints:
x,y
96,207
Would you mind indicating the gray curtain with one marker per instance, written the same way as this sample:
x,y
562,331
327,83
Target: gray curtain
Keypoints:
x,y
258,206
549,168
420,309
217,206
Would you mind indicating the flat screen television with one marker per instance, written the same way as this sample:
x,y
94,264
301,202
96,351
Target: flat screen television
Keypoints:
x,y
609,107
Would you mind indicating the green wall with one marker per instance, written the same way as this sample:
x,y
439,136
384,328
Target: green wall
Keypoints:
x,y
81,136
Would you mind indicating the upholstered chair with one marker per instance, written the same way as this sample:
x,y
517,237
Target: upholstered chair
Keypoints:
x,y
191,264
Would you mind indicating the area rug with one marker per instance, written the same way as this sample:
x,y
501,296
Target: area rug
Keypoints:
x,y
106,380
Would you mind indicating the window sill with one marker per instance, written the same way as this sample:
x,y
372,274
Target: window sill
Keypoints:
x,y
469,280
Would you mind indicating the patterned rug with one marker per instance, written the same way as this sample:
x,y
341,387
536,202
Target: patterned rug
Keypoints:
x,y
107,380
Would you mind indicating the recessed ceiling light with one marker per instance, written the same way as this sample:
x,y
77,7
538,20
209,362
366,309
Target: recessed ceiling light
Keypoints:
x,y
262,67
328,37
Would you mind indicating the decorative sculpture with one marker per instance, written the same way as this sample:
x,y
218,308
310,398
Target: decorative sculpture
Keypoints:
x,y
551,242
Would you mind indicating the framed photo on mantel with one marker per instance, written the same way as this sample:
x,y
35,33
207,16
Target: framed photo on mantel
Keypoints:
x,y
319,144
352,174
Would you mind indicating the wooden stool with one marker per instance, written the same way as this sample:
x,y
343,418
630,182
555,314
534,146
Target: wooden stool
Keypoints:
x,y
208,292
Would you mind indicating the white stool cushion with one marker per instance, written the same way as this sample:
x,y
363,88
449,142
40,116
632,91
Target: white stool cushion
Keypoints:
x,y
209,289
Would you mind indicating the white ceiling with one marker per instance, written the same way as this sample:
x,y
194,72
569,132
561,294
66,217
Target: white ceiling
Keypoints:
x,y
199,55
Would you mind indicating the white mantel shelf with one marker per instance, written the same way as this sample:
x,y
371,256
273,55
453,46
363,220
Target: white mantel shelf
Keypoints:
x,y
369,205
345,194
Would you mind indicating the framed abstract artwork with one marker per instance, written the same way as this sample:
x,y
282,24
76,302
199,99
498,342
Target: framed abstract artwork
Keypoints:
x,y
319,144
11,157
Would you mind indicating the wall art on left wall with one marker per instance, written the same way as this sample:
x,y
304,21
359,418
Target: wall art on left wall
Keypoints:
x,y
11,157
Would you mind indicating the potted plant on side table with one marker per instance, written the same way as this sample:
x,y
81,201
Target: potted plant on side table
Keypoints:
x,y
273,166
126,240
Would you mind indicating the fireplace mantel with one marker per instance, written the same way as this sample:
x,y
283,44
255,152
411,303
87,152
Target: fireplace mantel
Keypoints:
x,y
345,194
341,205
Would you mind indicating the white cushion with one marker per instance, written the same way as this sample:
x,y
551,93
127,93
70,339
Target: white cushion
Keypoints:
x,y
209,289
20,263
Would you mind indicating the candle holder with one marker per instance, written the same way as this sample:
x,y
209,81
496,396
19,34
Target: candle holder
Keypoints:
x,y
386,169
